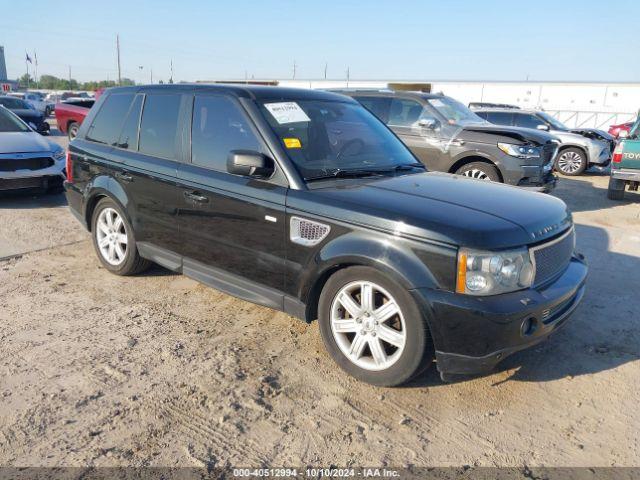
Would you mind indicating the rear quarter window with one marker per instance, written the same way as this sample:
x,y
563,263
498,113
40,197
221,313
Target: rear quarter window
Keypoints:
x,y
106,126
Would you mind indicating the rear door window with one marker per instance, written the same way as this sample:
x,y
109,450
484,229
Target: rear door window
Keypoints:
x,y
499,118
159,125
219,126
106,126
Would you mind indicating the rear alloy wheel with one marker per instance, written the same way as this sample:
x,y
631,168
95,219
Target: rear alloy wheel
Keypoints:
x,y
113,240
372,327
479,171
571,162
72,130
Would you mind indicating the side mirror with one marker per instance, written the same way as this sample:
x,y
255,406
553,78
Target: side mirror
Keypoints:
x,y
249,164
623,134
429,123
543,127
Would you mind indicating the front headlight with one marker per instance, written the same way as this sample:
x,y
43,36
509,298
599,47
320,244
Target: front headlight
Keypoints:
x,y
491,273
58,155
520,151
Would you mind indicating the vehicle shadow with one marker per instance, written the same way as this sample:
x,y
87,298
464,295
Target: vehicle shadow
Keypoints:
x,y
31,199
603,333
589,193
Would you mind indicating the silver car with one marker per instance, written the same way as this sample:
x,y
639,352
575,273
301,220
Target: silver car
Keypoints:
x,y
580,148
27,159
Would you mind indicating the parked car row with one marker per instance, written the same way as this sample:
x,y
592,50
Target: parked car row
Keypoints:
x,y
305,202
27,159
26,112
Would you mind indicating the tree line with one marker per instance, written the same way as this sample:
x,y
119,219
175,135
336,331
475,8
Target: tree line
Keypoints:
x,y
50,82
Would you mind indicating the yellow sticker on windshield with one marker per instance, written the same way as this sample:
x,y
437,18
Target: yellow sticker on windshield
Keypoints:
x,y
292,142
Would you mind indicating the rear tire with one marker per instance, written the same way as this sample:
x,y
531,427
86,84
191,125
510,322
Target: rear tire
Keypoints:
x,y
479,171
571,162
616,189
113,240
381,336
72,130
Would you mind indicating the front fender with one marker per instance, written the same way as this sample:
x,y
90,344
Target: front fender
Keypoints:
x,y
403,260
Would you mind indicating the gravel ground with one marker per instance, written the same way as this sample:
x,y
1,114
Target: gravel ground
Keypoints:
x,y
159,370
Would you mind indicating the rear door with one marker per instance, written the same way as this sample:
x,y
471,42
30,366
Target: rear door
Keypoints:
x,y
230,224
497,118
151,146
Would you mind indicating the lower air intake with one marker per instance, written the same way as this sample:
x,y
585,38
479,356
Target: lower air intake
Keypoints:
x,y
307,232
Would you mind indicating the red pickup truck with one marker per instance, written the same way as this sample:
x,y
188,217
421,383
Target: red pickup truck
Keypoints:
x,y
71,112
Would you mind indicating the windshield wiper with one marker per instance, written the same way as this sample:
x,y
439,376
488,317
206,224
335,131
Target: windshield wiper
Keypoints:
x,y
369,172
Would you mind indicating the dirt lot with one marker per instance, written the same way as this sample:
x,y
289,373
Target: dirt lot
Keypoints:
x,y
159,370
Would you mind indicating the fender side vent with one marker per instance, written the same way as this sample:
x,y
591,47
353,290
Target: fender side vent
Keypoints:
x,y
307,232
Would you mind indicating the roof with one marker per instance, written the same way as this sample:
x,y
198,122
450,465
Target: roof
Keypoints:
x,y
256,92
384,92
506,110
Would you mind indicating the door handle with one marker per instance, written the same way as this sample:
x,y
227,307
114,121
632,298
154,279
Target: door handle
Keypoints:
x,y
124,176
196,197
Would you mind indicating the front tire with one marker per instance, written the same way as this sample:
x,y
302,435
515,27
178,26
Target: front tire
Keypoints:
x,y
372,327
616,189
479,171
571,162
72,130
113,240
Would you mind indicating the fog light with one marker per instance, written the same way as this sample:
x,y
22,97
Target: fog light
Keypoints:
x,y
529,326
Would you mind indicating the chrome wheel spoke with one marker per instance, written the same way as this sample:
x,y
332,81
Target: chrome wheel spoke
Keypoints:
x,y
357,347
391,336
103,242
377,352
366,297
346,326
349,304
386,311
121,238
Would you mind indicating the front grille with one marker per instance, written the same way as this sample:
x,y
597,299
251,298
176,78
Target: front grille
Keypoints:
x,y
553,257
13,164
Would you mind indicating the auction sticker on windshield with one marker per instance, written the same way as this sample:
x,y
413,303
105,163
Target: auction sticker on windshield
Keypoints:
x,y
287,112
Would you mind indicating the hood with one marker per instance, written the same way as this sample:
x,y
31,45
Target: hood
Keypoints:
x,y
441,207
23,142
572,138
488,133
25,113
593,133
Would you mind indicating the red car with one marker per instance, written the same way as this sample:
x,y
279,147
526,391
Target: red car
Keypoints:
x,y
616,129
71,112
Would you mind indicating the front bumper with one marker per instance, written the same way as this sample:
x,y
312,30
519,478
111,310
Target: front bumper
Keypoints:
x,y
52,176
473,334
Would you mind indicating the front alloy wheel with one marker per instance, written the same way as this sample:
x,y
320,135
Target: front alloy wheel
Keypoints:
x,y
368,326
372,327
571,162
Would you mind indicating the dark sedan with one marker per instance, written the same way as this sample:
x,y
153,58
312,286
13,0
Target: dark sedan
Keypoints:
x,y
28,115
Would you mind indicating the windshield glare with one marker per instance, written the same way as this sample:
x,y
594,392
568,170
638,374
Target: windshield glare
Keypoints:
x,y
555,123
9,123
321,137
454,112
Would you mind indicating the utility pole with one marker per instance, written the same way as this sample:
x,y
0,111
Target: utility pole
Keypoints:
x,y
294,69
35,75
347,77
69,76
325,70
151,70
118,55
171,78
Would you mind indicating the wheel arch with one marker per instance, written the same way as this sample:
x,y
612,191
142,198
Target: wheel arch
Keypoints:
x,y
475,157
103,187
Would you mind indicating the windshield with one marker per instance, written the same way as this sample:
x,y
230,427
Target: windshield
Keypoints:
x,y
554,122
454,112
324,138
10,123
13,103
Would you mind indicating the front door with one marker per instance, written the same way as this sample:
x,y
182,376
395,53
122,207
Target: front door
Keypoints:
x,y
231,227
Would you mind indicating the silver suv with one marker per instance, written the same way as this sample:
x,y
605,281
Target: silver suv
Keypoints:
x,y
580,149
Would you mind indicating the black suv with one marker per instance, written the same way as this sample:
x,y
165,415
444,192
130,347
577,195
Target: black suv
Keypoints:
x,y
305,202
448,137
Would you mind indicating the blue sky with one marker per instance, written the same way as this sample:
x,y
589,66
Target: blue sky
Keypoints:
x,y
420,40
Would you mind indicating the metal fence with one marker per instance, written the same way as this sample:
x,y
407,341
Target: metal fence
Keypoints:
x,y
588,119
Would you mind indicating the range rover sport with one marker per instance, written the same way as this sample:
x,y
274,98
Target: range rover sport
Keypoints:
x,y
303,201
